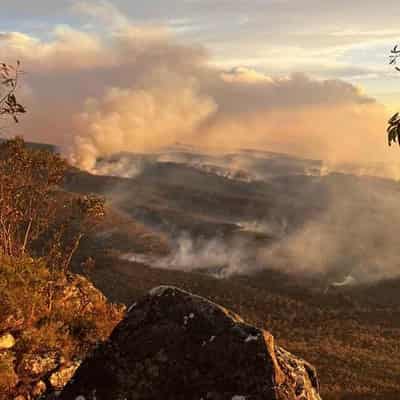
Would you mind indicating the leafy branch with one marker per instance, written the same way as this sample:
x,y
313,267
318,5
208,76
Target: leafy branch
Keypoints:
x,y
9,80
394,55
393,129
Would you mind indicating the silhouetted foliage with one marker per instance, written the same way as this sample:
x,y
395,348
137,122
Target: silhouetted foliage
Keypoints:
x,y
9,80
393,129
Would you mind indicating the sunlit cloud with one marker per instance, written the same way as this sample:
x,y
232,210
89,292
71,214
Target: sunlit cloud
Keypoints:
x,y
114,85
132,87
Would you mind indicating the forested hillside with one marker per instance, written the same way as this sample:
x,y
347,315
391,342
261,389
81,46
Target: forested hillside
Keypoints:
x,y
50,318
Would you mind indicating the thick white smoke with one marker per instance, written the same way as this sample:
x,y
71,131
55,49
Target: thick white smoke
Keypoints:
x,y
213,256
140,119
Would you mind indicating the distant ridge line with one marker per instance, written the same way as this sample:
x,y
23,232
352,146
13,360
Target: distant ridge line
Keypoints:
x,y
38,146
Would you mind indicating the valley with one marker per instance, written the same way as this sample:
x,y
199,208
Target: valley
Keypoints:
x,y
275,250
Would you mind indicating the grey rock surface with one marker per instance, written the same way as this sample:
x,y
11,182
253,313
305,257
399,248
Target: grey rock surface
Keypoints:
x,y
175,345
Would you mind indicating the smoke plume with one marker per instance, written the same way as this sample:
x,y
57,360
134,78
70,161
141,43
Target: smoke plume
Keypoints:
x,y
124,87
355,235
213,256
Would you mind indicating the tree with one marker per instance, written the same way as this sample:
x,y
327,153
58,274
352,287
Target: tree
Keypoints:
x,y
9,106
393,129
37,217
28,186
47,308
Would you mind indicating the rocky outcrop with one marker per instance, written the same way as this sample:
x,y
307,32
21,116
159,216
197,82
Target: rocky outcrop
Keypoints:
x,y
175,345
38,365
31,366
7,341
61,377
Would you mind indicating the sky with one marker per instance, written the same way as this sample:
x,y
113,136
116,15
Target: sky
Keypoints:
x,y
303,76
350,40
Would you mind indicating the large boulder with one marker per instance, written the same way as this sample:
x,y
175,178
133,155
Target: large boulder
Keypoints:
x,y
178,346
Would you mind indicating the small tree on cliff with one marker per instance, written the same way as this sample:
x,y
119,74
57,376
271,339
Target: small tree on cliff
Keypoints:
x,y
28,180
46,307
36,217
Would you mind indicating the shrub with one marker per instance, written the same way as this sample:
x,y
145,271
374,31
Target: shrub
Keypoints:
x,y
48,311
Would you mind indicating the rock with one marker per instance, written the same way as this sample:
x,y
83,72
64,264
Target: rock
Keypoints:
x,y
39,389
60,378
7,341
178,346
81,293
36,365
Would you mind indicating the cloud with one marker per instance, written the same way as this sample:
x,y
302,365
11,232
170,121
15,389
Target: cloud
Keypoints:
x,y
102,11
70,49
244,75
137,88
370,33
17,40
